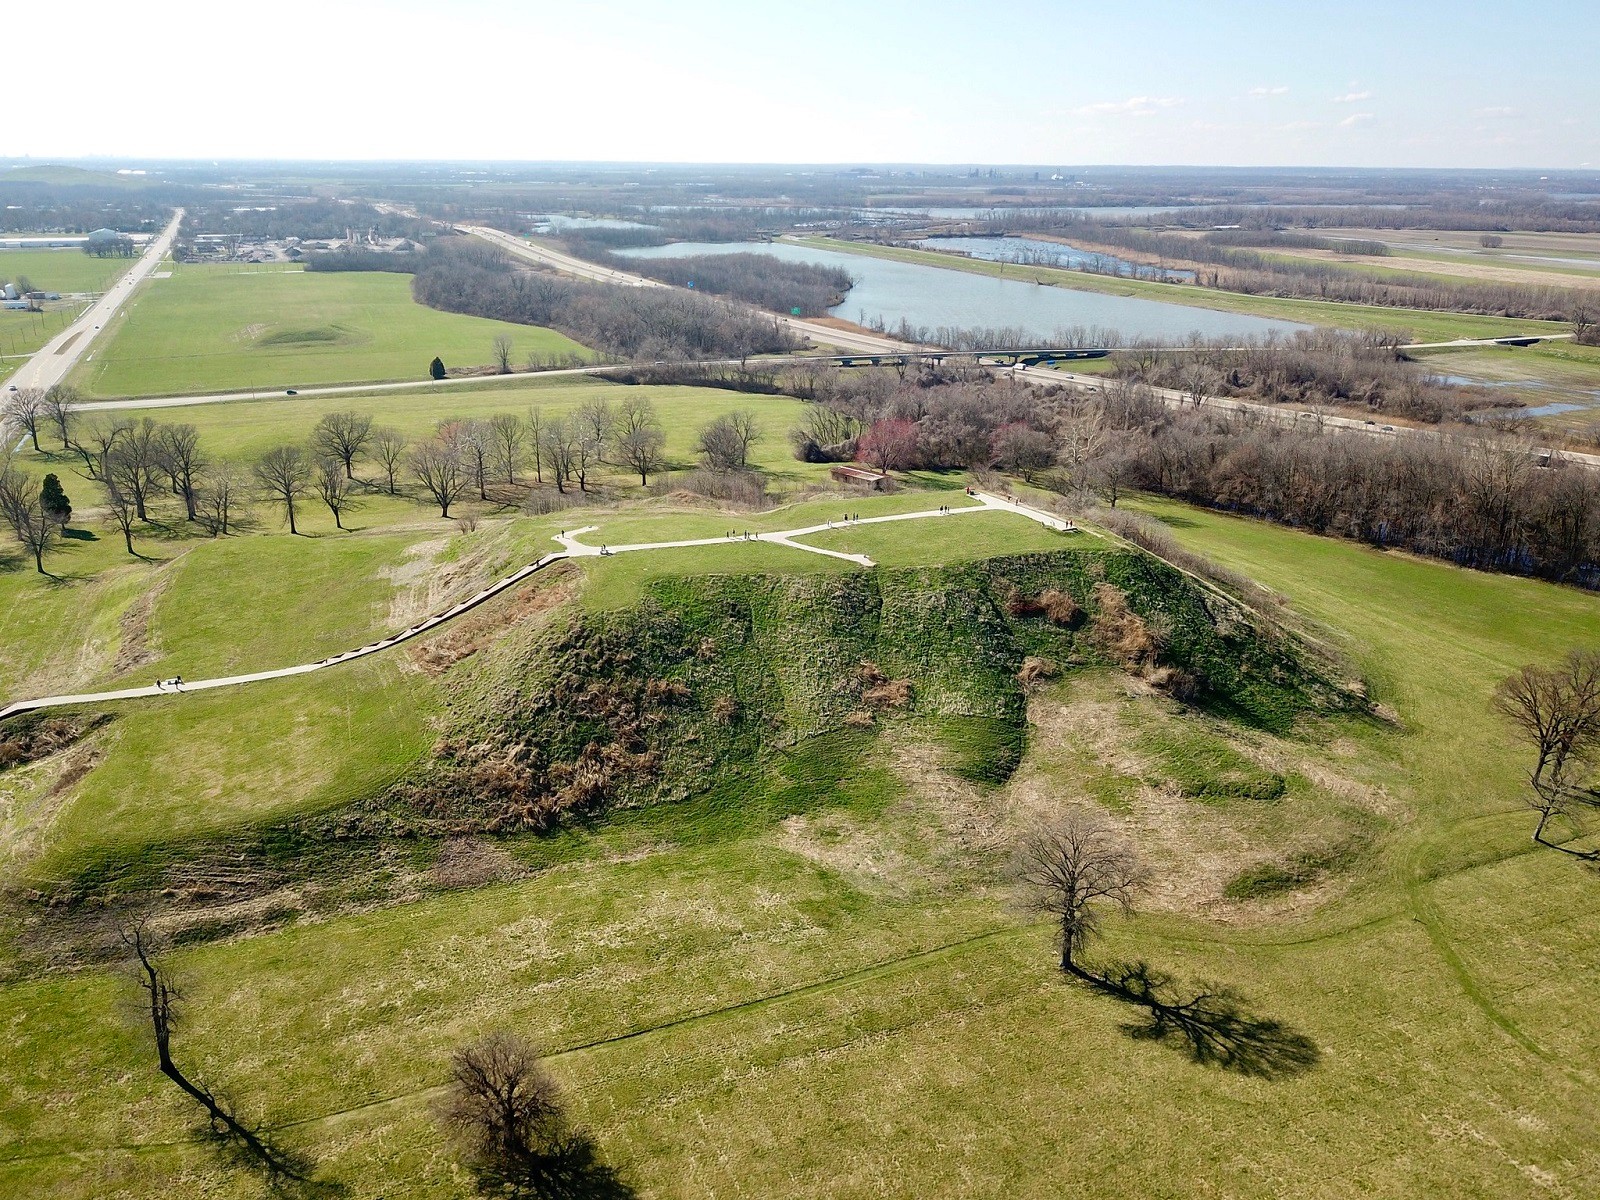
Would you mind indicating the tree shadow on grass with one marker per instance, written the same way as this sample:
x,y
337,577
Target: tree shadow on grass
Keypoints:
x,y
79,535
572,1171
1213,1025
285,1171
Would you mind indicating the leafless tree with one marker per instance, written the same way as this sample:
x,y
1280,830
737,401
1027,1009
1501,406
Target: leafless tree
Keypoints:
x,y
1557,709
132,461
559,437
219,498
596,424
161,998
507,434
27,410
477,444
535,428
502,349
1022,449
98,439
502,1105
342,435
1072,865
334,488
178,451
389,448
641,441
23,509
438,466
120,509
284,474
58,412
725,442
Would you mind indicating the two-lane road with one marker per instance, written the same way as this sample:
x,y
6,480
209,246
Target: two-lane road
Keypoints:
x,y
52,364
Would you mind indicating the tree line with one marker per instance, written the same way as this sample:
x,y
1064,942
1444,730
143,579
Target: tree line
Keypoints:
x,y
1237,269
758,279
1484,500
136,464
460,275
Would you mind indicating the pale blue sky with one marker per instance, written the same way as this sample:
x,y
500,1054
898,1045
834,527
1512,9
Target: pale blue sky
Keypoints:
x,y
1359,83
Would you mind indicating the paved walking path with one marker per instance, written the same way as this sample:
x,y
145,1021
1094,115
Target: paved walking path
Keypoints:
x,y
572,548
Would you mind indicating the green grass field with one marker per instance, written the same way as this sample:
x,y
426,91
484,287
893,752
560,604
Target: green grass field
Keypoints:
x,y
827,1005
1422,325
209,329
64,270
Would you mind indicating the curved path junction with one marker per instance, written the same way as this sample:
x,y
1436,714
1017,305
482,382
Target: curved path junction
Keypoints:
x,y
572,548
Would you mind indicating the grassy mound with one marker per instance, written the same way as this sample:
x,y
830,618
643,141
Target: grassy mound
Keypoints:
x,y
711,676
722,703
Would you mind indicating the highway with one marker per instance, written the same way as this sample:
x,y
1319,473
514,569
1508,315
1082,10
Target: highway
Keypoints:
x,y
64,350
54,361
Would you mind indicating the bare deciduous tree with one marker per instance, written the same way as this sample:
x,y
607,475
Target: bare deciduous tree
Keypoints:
x,y
535,429
1557,709
335,489
24,511
26,409
389,448
437,465
284,474
559,437
502,350
725,442
342,435
507,434
178,450
1071,866
502,1105
218,499
58,412
641,441
161,999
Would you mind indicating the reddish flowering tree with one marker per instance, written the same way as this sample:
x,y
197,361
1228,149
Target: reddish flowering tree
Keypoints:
x,y
890,445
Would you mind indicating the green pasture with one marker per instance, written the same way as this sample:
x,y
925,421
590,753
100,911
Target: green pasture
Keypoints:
x,y
213,329
65,270
823,1007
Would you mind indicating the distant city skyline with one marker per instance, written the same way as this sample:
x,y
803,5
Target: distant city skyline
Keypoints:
x,y
1238,82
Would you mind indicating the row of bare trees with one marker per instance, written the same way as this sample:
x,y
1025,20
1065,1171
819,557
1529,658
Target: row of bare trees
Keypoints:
x,y
460,275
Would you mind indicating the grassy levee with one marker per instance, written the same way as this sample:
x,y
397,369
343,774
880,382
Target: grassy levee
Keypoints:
x,y
205,330
1422,324
811,981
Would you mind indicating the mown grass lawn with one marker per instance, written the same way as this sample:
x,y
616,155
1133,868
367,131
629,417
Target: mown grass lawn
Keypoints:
x,y
208,330
66,270
797,1011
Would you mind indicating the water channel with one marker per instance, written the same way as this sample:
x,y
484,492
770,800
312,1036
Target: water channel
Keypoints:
x,y
934,297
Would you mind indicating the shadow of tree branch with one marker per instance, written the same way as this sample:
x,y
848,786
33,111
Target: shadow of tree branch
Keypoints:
x,y
573,1170
1212,1025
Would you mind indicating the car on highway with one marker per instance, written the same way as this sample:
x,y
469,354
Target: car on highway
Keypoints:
x,y
291,392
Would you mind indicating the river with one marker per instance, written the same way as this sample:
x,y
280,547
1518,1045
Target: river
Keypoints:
x,y
889,291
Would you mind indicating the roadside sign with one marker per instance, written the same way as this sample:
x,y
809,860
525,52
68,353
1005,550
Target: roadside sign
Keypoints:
x,y
794,312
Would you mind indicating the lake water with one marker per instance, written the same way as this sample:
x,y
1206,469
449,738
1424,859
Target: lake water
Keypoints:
x,y
892,291
1034,252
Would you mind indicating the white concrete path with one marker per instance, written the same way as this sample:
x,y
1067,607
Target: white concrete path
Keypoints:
x,y
572,548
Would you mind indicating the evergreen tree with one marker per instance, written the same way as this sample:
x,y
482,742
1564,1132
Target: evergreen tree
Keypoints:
x,y
436,368
54,500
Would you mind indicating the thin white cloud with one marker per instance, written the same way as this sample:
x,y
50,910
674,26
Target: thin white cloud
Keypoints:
x,y
1134,106
1499,110
1299,126
1261,93
1355,119
1352,98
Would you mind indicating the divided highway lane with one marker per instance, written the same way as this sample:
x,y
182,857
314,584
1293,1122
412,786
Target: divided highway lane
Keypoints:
x,y
52,364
